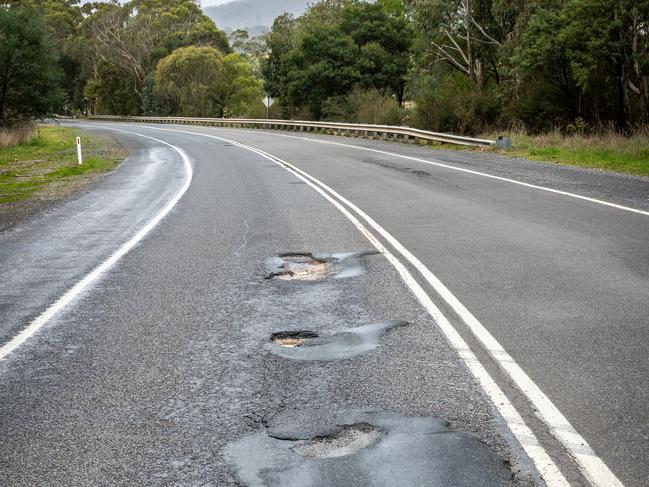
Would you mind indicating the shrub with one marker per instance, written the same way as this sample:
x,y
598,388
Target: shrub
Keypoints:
x,y
452,103
364,106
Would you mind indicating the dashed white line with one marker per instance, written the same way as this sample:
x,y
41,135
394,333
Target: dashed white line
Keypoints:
x,y
71,294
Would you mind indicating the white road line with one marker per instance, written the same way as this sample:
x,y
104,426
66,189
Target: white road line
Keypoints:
x,y
546,467
71,294
455,168
592,467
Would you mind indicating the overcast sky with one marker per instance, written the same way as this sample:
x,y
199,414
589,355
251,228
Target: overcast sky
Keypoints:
x,y
204,3
207,3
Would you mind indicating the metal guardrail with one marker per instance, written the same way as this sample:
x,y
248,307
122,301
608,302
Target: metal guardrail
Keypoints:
x,y
385,132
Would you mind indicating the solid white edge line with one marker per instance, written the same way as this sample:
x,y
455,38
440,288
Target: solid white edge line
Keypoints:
x,y
592,467
454,168
72,293
524,435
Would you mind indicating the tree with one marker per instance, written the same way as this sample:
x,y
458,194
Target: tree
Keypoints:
x,y
543,62
610,38
384,38
28,76
252,49
322,65
457,33
129,40
593,56
202,82
62,19
335,46
275,68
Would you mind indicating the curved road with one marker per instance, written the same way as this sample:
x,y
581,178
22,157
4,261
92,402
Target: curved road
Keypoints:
x,y
160,371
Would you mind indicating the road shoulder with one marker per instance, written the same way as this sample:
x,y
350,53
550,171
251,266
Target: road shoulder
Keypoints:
x,y
43,174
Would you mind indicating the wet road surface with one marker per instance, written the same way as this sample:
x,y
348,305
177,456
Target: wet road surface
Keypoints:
x,y
163,369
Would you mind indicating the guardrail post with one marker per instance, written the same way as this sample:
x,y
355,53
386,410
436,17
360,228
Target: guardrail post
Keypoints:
x,y
503,143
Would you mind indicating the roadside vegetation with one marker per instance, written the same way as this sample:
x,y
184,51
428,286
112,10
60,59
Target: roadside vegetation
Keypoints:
x,y
45,168
610,152
571,74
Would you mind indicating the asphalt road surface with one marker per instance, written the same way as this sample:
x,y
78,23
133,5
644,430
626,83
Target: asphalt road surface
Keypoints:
x,y
461,319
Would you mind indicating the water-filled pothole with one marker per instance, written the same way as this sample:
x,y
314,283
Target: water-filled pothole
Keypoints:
x,y
348,440
292,339
349,343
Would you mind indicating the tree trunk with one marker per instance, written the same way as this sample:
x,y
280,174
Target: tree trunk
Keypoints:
x,y
5,88
469,51
641,78
622,98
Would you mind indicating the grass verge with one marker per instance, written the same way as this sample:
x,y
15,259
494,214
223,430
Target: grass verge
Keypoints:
x,y
609,152
46,167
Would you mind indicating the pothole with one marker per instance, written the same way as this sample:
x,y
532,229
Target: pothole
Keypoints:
x,y
292,339
301,267
348,440
308,267
348,343
327,447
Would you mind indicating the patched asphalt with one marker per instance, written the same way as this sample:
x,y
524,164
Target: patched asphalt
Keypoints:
x,y
368,448
561,283
350,343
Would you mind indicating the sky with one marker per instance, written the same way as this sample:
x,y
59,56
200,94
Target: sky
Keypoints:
x,y
209,3
204,3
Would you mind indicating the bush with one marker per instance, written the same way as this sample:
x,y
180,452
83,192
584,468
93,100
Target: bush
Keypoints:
x,y
452,103
364,106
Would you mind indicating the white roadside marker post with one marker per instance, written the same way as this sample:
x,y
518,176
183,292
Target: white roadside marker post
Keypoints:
x,y
79,157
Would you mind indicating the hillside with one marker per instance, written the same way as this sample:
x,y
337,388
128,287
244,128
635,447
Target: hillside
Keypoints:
x,y
242,14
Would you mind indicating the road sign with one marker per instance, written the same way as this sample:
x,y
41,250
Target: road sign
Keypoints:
x,y
268,101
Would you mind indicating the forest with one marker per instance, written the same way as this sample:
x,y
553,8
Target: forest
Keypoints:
x,y
463,66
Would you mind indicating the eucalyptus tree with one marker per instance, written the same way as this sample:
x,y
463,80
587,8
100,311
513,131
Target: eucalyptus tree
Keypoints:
x,y
127,41
204,82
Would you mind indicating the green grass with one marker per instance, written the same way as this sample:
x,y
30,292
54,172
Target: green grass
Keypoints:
x,y
46,166
610,152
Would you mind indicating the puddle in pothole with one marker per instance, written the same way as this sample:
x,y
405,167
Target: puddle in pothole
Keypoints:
x,y
307,267
322,447
308,345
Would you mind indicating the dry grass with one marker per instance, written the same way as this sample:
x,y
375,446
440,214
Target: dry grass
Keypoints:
x,y
14,136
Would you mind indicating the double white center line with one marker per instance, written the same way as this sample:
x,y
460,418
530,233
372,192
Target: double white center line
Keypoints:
x,y
591,466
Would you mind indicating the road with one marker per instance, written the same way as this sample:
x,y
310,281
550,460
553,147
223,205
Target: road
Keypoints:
x,y
520,290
